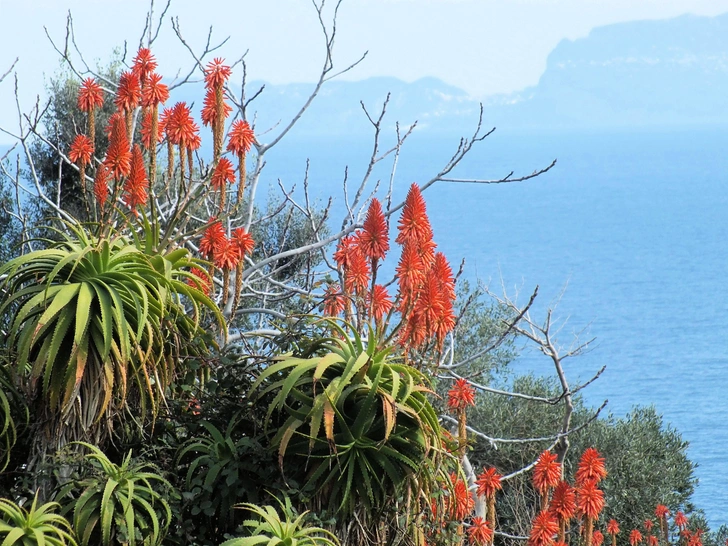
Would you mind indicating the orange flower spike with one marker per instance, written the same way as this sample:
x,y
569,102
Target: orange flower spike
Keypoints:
x,y
590,499
543,529
546,475
243,240
245,243
118,154
200,282
379,302
356,276
662,512
648,525
374,237
226,255
409,272
81,150
591,467
240,140
681,522
334,301
343,251
101,187
590,502
613,527
137,183
413,224
90,95
597,538
213,236
441,269
635,537
488,482
652,540
216,73
223,175
461,395
143,65
480,532
464,501
155,92
563,505
128,97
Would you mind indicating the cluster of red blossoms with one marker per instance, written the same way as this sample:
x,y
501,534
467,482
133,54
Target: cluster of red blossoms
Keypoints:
x,y
563,502
124,165
426,287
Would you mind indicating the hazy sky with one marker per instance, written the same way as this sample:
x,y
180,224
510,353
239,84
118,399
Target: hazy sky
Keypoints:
x,y
482,46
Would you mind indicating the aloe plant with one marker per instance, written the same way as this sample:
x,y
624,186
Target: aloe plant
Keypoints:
x,y
272,530
95,322
124,502
36,526
359,417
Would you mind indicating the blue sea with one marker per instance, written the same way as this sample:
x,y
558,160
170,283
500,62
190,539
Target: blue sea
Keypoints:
x,y
627,236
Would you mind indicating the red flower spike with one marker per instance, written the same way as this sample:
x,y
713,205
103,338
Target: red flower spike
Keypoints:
x,y
129,92
597,538
409,270
547,472
81,150
488,482
441,269
681,522
652,540
155,92
413,224
101,187
213,236
461,395
216,73
241,138
591,467
563,503
90,95
662,511
613,527
543,529
144,64
224,173
380,302
343,251
374,237
118,154
334,301
590,499
464,501
209,108
180,127
136,184
480,532
635,537
201,282
356,276
648,525
226,255
243,240
147,130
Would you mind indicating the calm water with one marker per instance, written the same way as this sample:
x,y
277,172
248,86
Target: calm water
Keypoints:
x,y
633,226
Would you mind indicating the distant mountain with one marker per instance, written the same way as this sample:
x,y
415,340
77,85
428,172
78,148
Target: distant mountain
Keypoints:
x,y
646,73
639,74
